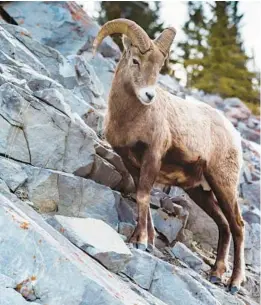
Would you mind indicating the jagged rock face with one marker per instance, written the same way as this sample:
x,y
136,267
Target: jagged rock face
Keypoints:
x,y
60,25
181,252
96,238
59,272
63,221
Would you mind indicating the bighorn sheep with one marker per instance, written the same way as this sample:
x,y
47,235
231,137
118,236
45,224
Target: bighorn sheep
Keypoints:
x,y
163,138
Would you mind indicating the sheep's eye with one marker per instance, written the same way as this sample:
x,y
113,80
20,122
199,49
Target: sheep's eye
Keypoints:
x,y
135,62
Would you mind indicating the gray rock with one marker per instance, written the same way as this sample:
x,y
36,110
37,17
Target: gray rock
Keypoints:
x,y
251,193
35,80
251,152
174,285
6,281
127,211
12,104
169,226
186,237
247,300
3,188
251,215
236,113
84,198
187,256
156,196
11,173
235,102
252,244
141,268
76,103
68,103
60,69
42,125
255,175
80,142
42,187
85,93
252,287
87,76
104,68
144,293
59,28
71,195
222,297
9,296
246,172
57,65
46,258
105,151
89,87
94,119
95,238
168,205
126,229
67,137
169,83
179,196
203,227
13,142
54,98
226,298
103,172
16,50
249,133
6,78
253,123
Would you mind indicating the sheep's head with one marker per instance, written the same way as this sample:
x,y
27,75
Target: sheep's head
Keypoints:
x,y
144,57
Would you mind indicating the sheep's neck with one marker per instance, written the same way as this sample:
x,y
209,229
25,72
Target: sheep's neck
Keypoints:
x,y
123,101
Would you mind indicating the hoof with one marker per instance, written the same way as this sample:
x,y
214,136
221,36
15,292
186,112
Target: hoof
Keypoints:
x,y
150,248
233,289
215,280
141,247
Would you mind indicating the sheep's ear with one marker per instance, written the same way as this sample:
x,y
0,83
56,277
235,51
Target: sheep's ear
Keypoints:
x,y
126,42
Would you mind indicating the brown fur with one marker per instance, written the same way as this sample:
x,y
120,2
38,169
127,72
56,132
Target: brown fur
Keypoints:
x,y
175,142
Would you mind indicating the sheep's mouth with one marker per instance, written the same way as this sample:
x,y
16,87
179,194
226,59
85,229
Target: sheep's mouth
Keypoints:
x,y
146,102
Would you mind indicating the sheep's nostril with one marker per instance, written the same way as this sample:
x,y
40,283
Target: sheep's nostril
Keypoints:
x,y
150,95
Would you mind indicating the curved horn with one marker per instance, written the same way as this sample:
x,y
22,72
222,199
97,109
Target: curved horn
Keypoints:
x,y
137,35
165,39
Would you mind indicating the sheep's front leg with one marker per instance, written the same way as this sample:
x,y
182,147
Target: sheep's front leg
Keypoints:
x,y
149,170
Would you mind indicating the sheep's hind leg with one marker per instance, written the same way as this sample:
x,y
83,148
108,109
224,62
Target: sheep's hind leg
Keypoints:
x,y
150,167
206,200
224,187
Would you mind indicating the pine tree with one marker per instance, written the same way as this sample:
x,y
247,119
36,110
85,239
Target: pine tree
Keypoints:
x,y
194,47
146,14
225,69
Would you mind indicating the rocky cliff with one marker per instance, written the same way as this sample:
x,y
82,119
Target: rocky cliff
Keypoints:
x,y
63,224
